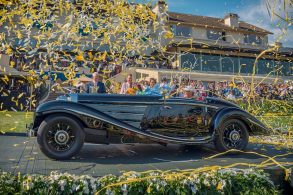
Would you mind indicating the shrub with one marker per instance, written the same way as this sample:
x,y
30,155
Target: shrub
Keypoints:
x,y
226,181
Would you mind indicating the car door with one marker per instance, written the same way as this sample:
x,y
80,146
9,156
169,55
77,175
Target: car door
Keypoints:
x,y
180,120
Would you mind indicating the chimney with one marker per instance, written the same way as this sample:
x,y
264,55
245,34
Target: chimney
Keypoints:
x,y
160,7
232,20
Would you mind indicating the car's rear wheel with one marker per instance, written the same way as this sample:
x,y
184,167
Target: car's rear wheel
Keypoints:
x,y
60,137
232,134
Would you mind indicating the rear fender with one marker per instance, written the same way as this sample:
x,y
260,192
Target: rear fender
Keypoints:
x,y
255,127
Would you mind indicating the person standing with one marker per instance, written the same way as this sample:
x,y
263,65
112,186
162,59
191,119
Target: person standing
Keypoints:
x,y
152,88
96,86
164,83
188,92
127,84
153,83
174,88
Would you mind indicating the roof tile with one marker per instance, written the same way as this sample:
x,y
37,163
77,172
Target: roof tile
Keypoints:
x,y
213,23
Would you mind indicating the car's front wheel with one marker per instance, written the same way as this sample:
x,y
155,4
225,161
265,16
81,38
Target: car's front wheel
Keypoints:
x,y
232,134
60,137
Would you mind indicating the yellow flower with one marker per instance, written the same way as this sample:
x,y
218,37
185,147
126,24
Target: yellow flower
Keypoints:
x,y
130,91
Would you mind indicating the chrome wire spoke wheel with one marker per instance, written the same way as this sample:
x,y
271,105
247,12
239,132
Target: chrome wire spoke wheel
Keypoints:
x,y
60,137
233,136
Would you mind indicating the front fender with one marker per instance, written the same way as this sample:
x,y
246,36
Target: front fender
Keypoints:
x,y
255,127
78,110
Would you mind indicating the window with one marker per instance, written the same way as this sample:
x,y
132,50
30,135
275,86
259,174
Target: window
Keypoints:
x,y
216,35
283,68
211,63
252,39
190,61
230,64
233,64
246,65
141,75
265,66
182,31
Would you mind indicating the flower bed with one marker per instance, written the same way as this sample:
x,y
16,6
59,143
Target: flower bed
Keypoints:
x,y
226,181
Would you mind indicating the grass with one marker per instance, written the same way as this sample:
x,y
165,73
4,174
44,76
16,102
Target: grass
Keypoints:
x,y
14,121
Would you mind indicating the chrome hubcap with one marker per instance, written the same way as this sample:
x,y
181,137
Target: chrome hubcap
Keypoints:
x,y
234,136
61,137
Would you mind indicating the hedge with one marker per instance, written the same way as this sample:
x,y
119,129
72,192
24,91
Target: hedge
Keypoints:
x,y
225,181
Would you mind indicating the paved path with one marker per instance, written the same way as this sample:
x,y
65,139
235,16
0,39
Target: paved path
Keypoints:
x,y
21,154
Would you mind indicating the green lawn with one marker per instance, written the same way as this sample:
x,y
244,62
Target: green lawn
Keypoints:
x,y
14,121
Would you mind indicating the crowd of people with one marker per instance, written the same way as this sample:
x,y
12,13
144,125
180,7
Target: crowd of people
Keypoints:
x,y
176,87
187,88
278,91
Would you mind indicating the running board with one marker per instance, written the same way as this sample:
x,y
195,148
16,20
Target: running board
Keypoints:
x,y
191,140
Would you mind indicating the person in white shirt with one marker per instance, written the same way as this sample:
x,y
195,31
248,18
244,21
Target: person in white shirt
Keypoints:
x,y
164,83
127,84
188,92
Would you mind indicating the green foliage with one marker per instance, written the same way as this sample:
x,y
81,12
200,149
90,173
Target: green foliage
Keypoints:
x,y
226,181
268,107
275,114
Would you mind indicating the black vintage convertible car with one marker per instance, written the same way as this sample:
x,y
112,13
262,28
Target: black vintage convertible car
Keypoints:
x,y
63,125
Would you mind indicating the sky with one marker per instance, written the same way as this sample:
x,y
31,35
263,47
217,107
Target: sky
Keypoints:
x,y
251,11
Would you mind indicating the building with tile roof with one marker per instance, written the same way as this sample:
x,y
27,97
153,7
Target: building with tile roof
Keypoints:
x,y
221,48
